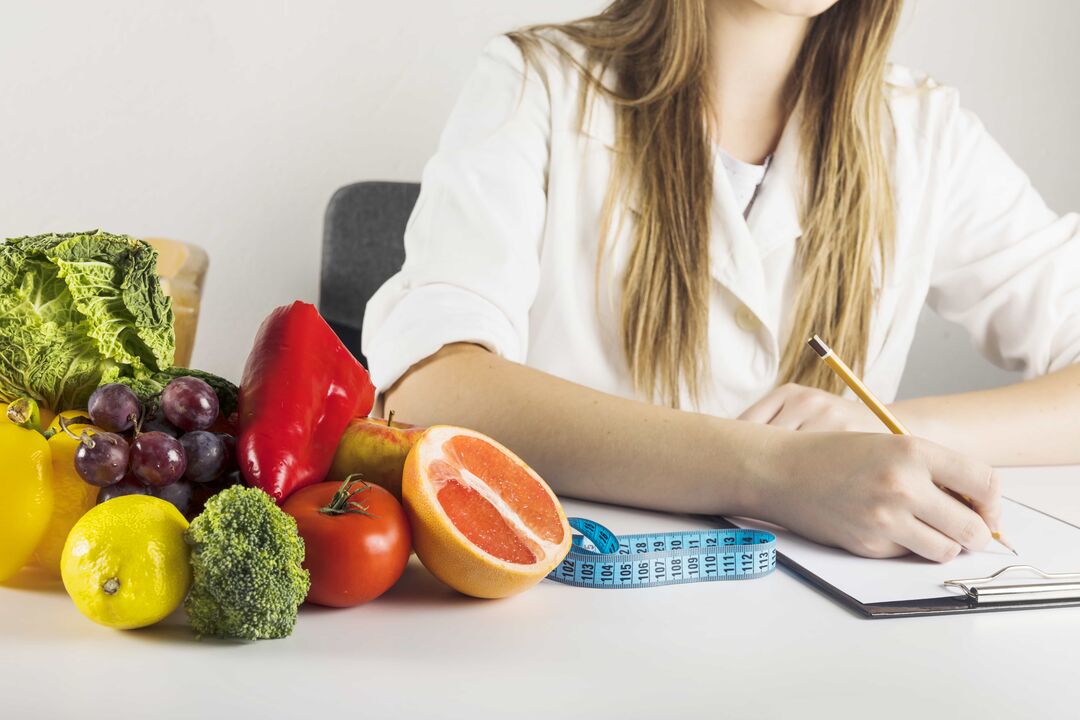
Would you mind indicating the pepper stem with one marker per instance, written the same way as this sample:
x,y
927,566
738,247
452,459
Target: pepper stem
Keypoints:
x,y
25,413
342,503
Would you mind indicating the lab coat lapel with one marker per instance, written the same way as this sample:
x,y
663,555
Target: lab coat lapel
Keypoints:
x,y
739,245
734,259
774,219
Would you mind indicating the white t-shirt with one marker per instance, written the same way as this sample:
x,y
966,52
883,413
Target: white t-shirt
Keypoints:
x,y
501,249
745,178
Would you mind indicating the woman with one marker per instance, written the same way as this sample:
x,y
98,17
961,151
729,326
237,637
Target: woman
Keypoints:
x,y
634,222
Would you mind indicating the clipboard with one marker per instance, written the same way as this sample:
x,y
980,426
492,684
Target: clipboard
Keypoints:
x,y
978,594
1014,586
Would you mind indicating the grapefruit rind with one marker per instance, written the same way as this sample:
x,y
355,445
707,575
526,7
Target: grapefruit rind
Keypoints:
x,y
446,551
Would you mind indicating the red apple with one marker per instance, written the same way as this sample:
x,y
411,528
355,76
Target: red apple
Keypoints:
x,y
376,449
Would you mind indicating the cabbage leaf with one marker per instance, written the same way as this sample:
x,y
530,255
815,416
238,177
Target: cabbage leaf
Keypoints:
x,y
78,310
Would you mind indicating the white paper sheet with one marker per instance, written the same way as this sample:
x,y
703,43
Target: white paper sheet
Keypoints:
x,y
1043,541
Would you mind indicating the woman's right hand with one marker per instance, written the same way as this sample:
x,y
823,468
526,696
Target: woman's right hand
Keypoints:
x,y
882,495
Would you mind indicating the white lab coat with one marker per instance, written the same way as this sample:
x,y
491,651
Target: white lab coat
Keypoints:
x,y
501,248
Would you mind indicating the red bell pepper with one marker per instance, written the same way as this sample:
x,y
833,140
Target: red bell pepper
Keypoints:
x,y
300,388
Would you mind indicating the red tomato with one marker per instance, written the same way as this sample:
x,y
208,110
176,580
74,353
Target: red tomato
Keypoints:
x,y
357,540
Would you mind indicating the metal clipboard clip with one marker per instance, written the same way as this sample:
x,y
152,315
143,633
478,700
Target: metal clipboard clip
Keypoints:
x,y
1049,587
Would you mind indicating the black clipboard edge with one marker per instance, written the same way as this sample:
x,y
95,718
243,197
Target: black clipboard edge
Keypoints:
x,y
906,608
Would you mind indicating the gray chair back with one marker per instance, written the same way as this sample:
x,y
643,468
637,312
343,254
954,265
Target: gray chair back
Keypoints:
x,y
362,247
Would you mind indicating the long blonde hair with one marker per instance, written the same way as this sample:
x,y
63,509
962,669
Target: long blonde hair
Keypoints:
x,y
658,53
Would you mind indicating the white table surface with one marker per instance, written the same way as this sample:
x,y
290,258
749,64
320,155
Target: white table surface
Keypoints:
x,y
768,648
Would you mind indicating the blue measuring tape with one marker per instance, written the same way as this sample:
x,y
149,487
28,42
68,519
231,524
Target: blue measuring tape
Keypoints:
x,y
647,560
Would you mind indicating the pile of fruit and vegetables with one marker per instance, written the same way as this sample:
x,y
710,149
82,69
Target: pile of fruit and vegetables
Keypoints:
x,y
145,487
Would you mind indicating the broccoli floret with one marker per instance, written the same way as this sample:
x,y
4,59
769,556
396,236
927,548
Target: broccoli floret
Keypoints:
x,y
246,559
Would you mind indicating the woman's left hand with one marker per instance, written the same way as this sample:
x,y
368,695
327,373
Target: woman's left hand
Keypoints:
x,y
797,407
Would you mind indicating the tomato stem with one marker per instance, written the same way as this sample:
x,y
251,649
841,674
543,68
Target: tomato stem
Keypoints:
x,y
342,503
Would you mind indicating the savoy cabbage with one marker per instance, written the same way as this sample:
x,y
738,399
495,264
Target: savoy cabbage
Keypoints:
x,y
78,310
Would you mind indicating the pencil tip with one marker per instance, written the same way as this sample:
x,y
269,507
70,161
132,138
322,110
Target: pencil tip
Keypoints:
x,y
1006,544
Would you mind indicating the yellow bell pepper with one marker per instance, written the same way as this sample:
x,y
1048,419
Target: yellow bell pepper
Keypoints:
x,y
68,416
72,496
26,494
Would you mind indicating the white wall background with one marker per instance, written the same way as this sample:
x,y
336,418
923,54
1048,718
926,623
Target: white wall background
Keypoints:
x,y
230,124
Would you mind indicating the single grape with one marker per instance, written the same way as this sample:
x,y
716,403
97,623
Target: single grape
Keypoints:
x,y
189,403
230,452
127,487
114,407
157,459
156,422
178,493
101,458
205,453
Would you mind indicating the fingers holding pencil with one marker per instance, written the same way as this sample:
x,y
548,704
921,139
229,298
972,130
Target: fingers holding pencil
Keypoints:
x,y
941,507
979,487
968,481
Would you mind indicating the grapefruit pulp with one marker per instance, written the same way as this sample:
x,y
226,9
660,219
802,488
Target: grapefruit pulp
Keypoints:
x,y
483,521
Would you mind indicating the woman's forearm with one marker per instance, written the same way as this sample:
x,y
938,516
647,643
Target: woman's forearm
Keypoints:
x,y
1036,422
877,495
588,444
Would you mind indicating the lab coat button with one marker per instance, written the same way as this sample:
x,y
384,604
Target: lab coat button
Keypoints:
x,y
746,319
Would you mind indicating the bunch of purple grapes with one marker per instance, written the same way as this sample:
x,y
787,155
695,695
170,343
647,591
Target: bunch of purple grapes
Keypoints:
x,y
170,454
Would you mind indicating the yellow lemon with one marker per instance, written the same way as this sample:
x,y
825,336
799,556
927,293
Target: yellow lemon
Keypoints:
x,y
72,497
125,563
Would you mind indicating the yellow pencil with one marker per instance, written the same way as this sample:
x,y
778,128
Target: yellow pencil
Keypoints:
x,y
857,386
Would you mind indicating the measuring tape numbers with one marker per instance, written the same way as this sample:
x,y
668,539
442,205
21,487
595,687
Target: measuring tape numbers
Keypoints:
x,y
600,559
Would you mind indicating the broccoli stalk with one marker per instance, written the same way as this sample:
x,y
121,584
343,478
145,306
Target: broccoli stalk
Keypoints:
x,y
246,559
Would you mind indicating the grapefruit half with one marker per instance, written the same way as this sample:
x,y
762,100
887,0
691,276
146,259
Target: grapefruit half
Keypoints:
x,y
483,521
